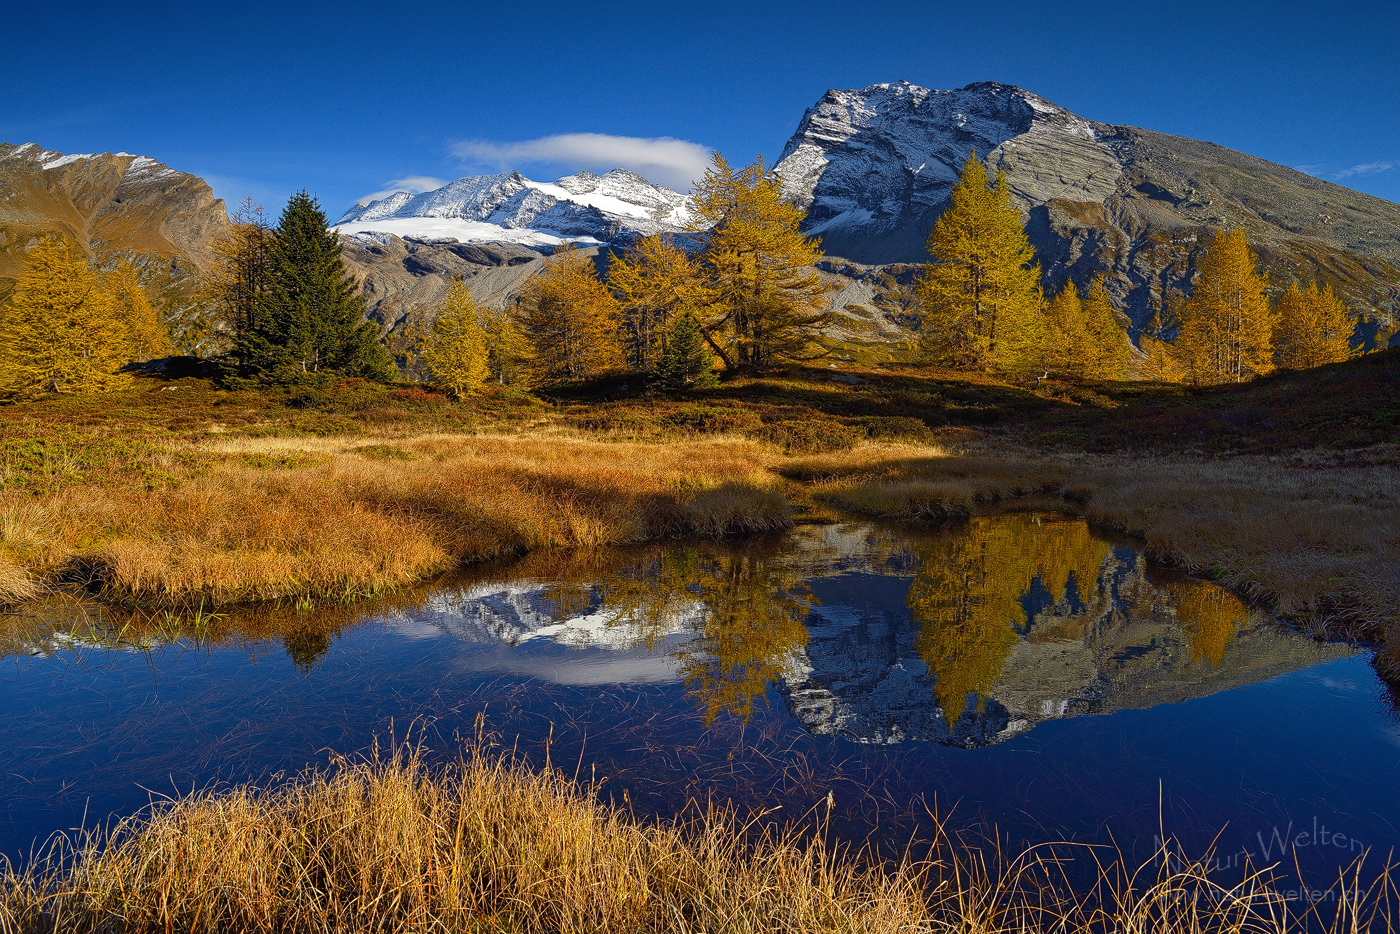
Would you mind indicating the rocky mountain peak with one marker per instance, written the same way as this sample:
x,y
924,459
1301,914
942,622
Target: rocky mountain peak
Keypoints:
x,y
873,168
109,203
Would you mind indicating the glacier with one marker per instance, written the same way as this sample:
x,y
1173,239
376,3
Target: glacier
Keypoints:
x,y
584,208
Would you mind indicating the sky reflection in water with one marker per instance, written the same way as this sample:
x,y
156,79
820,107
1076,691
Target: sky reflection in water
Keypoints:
x,y
1019,673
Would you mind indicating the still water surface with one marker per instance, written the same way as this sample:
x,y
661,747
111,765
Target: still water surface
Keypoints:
x,y
1019,675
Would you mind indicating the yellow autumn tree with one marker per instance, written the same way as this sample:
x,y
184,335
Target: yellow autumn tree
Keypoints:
x,y
1313,328
655,281
570,319
1107,353
456,351
507,349
235,281
763,301
60,331
148,336
1067,339
981,293
1159,362
1226,333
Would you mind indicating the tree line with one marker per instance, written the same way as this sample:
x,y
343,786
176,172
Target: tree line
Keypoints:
x,y
738,292
744,297
984,307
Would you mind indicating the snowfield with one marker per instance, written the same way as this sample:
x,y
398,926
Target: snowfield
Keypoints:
x,y
509,207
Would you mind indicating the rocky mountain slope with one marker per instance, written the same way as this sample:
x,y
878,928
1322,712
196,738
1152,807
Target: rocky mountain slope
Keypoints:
x,y
873,168
511,208
113,204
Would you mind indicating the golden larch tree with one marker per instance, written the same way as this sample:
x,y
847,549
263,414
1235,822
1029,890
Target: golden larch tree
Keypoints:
x,y
235,281
981,293
456,350
1067,339
1108,351
570,319
764,302
1159,361
508,353
59,331
1226,333
148,335
1313,328
654,280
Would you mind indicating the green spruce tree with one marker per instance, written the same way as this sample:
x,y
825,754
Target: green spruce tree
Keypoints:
x,y
311,316
686,363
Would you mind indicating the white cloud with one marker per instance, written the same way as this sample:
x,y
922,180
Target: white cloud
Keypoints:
x,y
414,183
675,163
1368,168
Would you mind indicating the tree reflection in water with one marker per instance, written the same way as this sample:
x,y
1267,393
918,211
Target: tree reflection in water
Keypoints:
x,y
982,586
753,617
978,588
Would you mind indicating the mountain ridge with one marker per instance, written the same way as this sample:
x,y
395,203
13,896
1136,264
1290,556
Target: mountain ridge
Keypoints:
x,y
111,204
508,207
874,166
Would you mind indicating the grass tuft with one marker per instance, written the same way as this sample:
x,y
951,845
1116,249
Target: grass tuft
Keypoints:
x,y
386,844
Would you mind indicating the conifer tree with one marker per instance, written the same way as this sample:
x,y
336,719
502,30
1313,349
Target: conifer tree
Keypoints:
x,y
1160,362
570,319
311,316
1313,328
1226,333
236,281
764,300
148,336
686,362
507,349
981,294
1107,353
654,279
456,352
59,330
1067,339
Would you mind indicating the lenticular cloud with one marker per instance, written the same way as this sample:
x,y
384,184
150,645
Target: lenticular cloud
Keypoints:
x,y
671,162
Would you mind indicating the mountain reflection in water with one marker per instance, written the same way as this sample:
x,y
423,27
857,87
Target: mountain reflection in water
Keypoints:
x,y
898,670
965,637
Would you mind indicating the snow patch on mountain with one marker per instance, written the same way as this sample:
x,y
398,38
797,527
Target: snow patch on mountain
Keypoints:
x,y
508,206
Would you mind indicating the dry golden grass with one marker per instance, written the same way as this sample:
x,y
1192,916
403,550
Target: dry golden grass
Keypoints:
x,y
1316,537
489,845
270,518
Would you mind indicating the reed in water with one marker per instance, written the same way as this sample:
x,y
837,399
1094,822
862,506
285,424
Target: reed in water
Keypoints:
x,y
489,844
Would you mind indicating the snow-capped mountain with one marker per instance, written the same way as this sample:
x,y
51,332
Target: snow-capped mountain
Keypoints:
x,y
512,208
873,167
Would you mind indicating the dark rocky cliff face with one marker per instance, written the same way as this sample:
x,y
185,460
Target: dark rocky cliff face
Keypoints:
x,y
873,168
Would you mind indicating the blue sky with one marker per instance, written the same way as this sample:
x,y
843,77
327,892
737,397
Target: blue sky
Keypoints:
x,y
347,99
